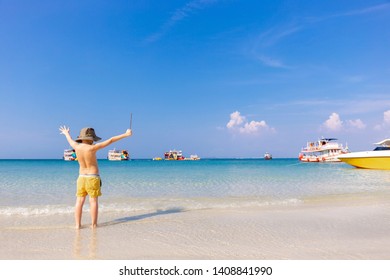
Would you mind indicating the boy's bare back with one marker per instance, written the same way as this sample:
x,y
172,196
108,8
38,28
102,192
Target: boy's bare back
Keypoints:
x,y
86,156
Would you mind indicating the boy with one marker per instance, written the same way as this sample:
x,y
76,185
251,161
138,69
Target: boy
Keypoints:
x,y
88,181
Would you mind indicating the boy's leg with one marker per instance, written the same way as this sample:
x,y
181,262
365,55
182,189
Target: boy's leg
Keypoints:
x,y
79,210
94,205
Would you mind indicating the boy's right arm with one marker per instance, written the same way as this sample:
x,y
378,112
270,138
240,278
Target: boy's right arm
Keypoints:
x,y
65,130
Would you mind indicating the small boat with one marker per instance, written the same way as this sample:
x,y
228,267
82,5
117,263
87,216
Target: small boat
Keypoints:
x,y
379,158
173,155
267,156
324,150
70,155
176,155
118,155
193,157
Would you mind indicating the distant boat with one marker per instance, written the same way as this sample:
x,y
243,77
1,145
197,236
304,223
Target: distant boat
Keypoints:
x,y
70,155
379,158
192,157
324,150
173,155
176,155
267,156
117,155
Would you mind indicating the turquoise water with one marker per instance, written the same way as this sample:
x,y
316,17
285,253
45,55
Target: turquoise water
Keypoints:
x,y
47,187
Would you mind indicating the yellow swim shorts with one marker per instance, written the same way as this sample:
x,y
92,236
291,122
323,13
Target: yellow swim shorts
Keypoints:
x,y
89,184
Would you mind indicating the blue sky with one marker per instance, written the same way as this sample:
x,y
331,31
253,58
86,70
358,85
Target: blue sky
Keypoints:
x,y
215,78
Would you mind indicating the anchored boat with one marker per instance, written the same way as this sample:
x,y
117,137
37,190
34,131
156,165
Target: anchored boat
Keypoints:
x,y
176,155
323,150
173,155
118,155
192,157
267,156
379,158
69,155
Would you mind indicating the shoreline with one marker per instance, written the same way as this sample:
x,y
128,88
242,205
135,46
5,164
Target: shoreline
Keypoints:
x,y
344,229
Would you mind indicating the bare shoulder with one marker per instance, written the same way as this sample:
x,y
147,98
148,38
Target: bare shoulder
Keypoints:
x,y
101,145
85,147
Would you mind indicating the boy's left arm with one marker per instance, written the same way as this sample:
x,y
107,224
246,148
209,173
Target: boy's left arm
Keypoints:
x,y
113,139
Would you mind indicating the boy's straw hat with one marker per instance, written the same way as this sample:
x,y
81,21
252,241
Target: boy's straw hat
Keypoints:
x,y
87,133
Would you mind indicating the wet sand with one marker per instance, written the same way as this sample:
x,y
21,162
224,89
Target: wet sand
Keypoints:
x,y
341,229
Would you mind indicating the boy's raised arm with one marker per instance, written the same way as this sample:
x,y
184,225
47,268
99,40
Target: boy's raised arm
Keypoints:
x,y
65,130
113,139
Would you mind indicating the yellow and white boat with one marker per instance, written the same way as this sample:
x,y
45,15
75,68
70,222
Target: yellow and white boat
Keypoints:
x,y
379,158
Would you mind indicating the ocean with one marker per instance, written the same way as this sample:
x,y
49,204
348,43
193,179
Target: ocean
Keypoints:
x,y
47,187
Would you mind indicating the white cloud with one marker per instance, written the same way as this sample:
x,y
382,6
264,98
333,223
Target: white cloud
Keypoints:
x,y
180,14
334,123
367,10
268,39
356,124
239,124
385,122
253,127
277,34
271,62
235,120
386,117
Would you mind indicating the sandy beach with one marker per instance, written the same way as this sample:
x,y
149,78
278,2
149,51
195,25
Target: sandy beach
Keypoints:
x,y
342,229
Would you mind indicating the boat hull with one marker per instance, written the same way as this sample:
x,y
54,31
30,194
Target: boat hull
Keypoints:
x,y
368,160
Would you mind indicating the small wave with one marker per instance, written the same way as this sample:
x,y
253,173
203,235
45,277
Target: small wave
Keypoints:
x,y
44,210
149,204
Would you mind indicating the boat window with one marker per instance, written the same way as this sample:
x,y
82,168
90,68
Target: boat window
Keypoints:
x,y
382,149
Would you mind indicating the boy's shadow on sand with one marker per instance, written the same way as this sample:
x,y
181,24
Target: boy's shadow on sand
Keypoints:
x,y
143,216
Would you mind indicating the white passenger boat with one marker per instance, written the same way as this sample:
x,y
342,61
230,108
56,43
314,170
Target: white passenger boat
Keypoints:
x,y
323,150
118,155
70,155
